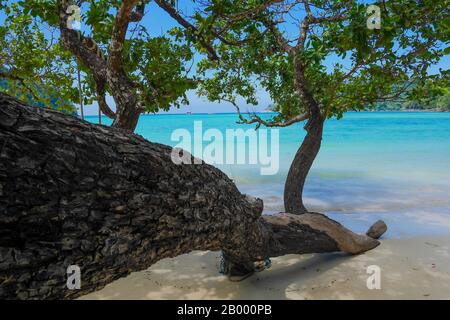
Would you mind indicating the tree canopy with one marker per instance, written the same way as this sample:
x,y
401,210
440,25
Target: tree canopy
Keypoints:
x,y
249,47
346,65
157,68
33,65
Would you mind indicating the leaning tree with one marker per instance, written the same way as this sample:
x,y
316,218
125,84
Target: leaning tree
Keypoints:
x,y
111,202
318,59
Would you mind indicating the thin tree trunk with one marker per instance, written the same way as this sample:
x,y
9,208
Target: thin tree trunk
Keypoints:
x,y
110,202
307,153
127,117
81,93
301,165
128,108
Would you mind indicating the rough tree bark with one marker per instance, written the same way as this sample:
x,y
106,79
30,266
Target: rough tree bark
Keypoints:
x,y
301,165
307,153
73,193
107,72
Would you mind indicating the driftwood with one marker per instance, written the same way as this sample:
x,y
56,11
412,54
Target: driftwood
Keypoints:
x,y
111,202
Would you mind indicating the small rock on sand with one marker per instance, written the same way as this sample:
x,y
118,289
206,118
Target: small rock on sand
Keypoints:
x,y
377,229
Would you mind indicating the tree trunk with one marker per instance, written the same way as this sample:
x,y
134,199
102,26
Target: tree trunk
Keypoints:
x,y
127,117
110,202
80,91
300,166
128,108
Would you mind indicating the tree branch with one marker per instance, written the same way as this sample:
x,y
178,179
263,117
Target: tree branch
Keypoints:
x,y
259,121
100,89
309,20
189,26
79,46
282,42
120,28
77,43
139,12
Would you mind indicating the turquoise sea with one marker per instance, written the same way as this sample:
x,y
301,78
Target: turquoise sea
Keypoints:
x,y
389,165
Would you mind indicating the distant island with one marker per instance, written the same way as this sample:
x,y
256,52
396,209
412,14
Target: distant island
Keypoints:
x,y
439,104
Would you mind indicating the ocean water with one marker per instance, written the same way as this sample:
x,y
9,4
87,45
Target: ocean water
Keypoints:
x,y
373,165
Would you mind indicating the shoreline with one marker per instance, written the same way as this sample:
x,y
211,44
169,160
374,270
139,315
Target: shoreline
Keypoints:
x,y
411,268
271,112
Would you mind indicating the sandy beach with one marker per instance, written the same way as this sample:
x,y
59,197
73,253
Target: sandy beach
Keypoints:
x,y
415,268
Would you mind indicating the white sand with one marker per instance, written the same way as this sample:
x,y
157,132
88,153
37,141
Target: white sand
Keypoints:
x,y
417,268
